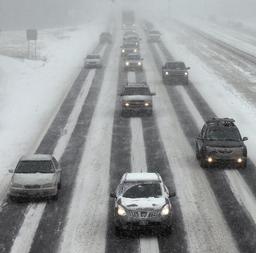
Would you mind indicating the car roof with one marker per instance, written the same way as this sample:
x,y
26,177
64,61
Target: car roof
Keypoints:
x,y
221,122
36,157
136,85
142,176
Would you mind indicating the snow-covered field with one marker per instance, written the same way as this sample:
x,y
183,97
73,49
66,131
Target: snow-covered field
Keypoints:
x,y
31,91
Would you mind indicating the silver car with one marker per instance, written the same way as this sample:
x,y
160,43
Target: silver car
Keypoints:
x,y
142,201
93,61
35,176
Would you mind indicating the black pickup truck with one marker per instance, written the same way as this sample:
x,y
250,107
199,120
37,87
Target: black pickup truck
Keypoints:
x,y
175,72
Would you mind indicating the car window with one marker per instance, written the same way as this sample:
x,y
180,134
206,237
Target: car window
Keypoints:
x,y
175,65
223,134
129,91
144,191
35,167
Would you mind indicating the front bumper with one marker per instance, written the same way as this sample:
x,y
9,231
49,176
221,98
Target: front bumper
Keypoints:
x,y
130,110
175,78
133,67
130,223
33,193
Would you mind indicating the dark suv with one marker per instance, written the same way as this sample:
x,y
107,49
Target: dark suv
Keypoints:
x,y
136,98
175,72
220,141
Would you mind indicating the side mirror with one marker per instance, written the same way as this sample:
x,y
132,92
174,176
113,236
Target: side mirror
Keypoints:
x,y
172,194
199,137
245,139
188,68
153,93
121,94
11,171
112,195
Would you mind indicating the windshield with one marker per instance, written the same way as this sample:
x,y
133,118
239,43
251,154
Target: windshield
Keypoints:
x,y
175,65
223,134
133,57
34,167
136,91
152,190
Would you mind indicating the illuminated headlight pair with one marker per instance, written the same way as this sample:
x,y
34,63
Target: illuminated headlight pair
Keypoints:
x,y
186,73
121,211
166,73
165,210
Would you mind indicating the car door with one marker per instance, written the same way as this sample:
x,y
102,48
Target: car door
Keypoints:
x,y
200,138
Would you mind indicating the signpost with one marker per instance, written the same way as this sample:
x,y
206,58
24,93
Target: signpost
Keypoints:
x,y
32,42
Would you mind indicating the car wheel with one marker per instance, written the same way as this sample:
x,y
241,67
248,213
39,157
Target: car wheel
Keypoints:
x,y
59,185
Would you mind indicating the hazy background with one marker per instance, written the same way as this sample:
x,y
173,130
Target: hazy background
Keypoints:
x,y
18,14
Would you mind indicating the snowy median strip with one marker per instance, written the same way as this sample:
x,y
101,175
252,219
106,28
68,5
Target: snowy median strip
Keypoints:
x,y
139,164
86,223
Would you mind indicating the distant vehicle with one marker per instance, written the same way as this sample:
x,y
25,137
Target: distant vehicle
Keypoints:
x,y
133,62
136,98
130,33
142,200
105,37
129,47
220,142
132,38
36,176
147,26
175,72
93,61
128,18
153,36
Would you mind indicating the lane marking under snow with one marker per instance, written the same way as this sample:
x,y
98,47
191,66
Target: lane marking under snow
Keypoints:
x,y
139,164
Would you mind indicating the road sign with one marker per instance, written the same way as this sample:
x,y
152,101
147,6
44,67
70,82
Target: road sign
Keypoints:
x,y
31,34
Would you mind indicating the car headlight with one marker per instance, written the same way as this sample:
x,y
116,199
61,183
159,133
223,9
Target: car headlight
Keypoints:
x,y
209,159
135,50
126,104
121,211
165,210
166,73
127,63
139,63
123,50
186,73
239,160
147,104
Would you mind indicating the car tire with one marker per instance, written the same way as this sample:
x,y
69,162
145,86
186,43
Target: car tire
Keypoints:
x,y
203,163
59,185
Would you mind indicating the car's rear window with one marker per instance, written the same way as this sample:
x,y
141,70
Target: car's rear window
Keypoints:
x,y
143,190
34,167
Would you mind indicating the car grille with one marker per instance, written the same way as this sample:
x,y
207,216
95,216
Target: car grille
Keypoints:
x,y
35,186
137,104
225,151
144,214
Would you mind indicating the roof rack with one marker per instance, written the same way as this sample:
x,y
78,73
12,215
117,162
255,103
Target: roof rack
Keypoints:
x,y
223,121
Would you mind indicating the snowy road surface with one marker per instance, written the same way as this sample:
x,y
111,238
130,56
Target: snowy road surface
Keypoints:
x,y
214,210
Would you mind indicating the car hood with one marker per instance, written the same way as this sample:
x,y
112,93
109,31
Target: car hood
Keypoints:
x,y
224,144
35,178
137,97
155,203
